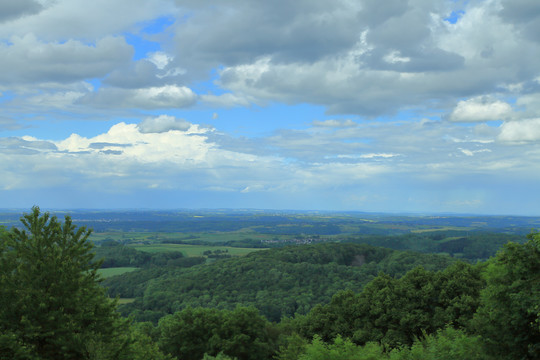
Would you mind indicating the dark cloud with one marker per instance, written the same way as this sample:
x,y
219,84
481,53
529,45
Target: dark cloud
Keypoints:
x,y
525,15
373,14
142,73
28,59
520,11
236,32
10,9
111,152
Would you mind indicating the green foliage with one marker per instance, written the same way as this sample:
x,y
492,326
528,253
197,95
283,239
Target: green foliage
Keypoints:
x,y
117,255
474,245
294,347
192,333
144,346
446,344
341,349
425,307
396,311
51,304
219,356
278,282
509,316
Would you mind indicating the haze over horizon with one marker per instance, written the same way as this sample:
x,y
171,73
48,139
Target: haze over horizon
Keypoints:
x,y
416,106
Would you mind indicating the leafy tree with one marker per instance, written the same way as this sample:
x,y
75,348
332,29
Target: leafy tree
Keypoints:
x,y
341,349
509,316
396,311
241,333
445,344
51,303
144,346
294,347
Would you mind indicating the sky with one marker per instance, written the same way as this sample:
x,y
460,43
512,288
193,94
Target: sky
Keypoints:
x,y
418,106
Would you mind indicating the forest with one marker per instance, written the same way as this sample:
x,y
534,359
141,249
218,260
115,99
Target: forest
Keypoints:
x,y
412,295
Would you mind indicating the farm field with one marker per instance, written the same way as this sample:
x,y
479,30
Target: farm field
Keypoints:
x,y
194,250
108,272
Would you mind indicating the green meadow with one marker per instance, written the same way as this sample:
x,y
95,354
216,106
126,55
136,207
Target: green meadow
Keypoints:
x,y
193,250
108,272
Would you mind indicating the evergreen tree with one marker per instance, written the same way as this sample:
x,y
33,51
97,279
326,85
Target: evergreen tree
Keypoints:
x,y
51,303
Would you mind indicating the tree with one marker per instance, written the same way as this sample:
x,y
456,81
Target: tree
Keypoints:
x,y
193,332
508,318
342,349
51,303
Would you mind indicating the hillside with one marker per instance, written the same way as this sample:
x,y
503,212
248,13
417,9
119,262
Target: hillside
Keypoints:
x,y
279,282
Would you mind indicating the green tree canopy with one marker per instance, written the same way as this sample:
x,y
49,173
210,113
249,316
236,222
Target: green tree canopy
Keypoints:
x,y
509,318
51,303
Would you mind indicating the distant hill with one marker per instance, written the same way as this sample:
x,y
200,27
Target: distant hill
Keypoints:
x,y
281,222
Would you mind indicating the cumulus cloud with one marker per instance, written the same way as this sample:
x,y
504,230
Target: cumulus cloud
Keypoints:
x,y
520,131
163,123
480,109
153,145
401,58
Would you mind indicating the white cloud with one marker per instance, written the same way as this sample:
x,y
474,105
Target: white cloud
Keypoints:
x,y
468,152
520,131
480,109
159,59
395,57
143,147
334,123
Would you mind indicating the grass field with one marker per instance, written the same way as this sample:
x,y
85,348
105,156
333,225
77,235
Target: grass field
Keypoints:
x,y
108,272
192,250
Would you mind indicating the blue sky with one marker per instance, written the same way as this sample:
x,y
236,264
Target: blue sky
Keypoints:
x,y
416,106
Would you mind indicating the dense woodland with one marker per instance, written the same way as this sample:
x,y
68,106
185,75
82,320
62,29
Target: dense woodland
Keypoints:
x,y
324,301
278,282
